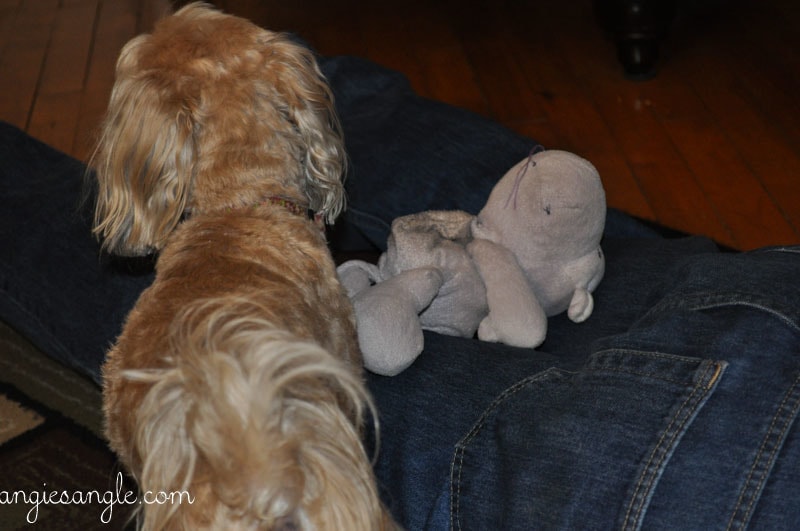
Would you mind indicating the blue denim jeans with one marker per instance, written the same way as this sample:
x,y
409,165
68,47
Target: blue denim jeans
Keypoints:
x,y
673,407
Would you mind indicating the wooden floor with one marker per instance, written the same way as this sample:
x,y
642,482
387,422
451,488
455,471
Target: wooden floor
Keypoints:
x,y
710,146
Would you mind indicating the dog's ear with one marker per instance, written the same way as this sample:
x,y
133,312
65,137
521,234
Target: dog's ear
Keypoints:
x,y
311,108
144,159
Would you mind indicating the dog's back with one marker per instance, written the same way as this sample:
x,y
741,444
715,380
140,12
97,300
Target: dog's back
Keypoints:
x,y
237,377
237,388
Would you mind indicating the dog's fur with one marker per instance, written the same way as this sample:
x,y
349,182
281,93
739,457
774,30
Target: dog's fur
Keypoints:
x,y
237,377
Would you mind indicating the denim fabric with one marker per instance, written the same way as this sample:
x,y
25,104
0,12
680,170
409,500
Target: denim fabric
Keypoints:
x,y
676,409
55,289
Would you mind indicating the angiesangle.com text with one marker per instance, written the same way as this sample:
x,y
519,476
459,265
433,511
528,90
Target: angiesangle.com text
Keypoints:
x,y
107,499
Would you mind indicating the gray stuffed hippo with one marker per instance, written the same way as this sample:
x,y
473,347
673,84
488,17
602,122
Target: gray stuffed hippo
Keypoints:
x,y
532,252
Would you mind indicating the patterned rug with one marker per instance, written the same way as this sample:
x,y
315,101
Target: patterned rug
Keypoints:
x,y
57,472
16,419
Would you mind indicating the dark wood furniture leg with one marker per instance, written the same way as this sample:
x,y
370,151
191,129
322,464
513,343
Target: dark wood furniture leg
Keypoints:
x,y
637,27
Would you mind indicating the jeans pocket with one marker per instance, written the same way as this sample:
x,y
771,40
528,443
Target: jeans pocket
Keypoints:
x,y
583,449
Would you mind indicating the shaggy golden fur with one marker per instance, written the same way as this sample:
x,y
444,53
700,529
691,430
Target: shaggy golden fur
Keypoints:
x,y
237,376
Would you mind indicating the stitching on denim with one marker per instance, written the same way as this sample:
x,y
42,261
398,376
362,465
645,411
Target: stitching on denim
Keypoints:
x,y
647,354
765,466
457,463
795,250
639,495
660,450
763,463
708,300
648,466
461,446
634,372
775,313
653,375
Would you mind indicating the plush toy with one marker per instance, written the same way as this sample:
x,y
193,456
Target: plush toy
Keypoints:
x,y
533,251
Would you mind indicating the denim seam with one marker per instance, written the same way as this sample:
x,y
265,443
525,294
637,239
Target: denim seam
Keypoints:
x,y
358,213
706,301
646,353
458,457
457,464
662,451
762,464
64,352
794,250
775,313
653,375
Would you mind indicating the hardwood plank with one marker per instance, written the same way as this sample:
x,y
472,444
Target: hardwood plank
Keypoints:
x,y
710,146
586,134
449,77
151,11
116,24
330,28
677,199
68,51
578,125
715,113
766,125
55,119
509,96
8,14
386,41
763,148
772,28
492,48
542,132
740,198
23,57
768,67
336,31
544,66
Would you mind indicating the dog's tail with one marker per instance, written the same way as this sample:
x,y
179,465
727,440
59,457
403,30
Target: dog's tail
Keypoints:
x,y
255,428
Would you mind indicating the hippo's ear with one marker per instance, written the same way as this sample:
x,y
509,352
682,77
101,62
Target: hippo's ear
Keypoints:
x,y
414,237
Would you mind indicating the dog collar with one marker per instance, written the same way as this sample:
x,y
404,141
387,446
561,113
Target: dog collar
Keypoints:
x,y
296,208
292,206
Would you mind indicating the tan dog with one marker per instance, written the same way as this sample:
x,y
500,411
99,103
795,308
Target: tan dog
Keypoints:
x,y
237,377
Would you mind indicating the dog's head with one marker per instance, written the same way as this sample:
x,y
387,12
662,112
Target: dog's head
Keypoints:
x,y
210,112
